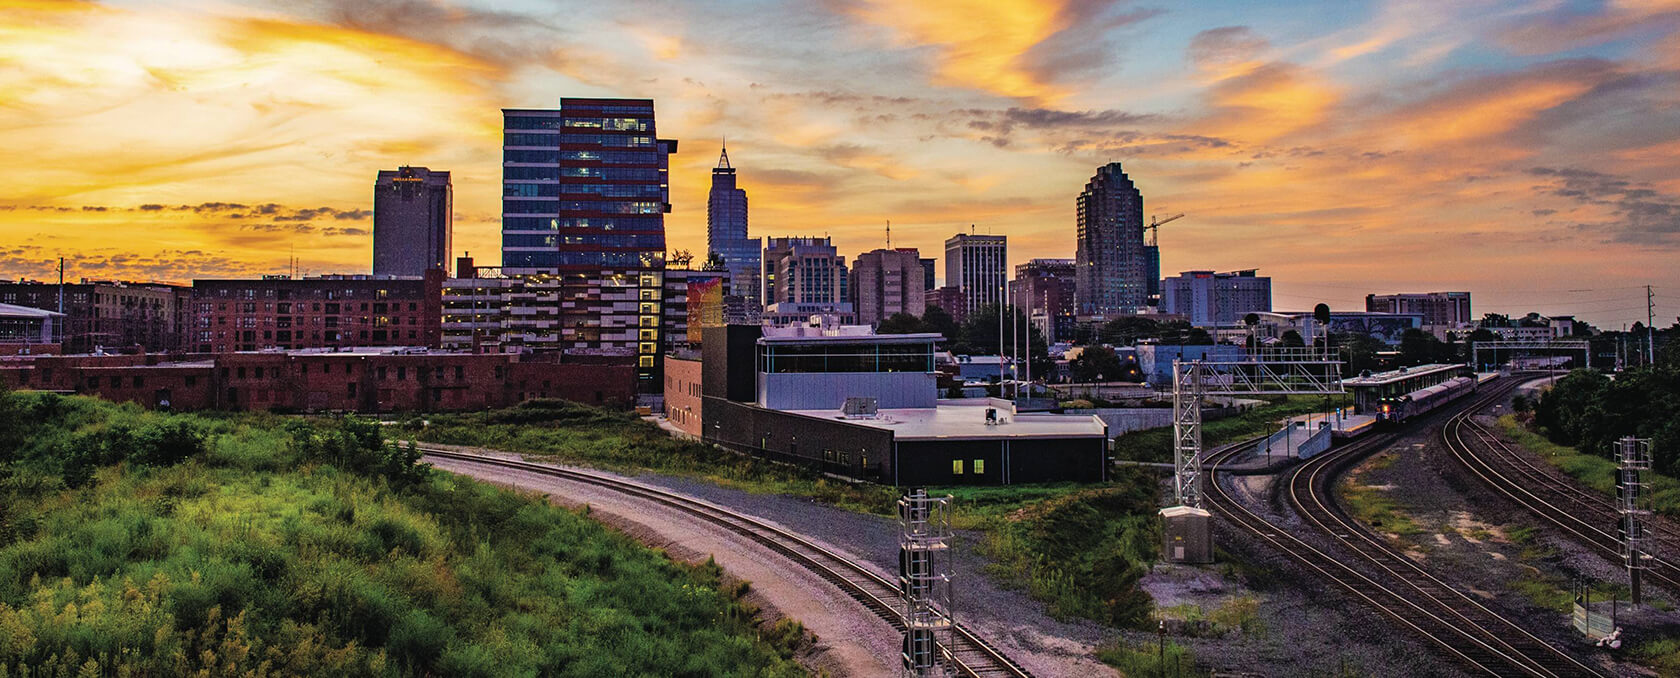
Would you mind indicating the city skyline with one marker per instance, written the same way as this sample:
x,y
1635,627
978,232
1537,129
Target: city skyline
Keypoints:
x,y
1340,147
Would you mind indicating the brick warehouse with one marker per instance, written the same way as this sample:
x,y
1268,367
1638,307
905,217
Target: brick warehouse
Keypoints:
x,y
362,380
333,311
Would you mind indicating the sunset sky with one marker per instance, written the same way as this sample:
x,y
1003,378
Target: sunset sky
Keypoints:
x,y
1526,151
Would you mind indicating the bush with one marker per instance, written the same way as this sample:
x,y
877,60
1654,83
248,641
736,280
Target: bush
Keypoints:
x,y
334,554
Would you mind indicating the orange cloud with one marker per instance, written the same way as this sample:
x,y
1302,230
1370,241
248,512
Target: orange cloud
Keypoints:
x,y
980,46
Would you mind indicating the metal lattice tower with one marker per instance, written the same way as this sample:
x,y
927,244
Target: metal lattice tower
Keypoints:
x,y
1280,371
924,581
1634,459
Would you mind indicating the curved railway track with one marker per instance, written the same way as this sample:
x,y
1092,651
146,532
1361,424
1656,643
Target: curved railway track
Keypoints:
x,y
1588,516
972,655
1461,627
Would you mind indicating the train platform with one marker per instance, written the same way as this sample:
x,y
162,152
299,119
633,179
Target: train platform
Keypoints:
x,y
1343,427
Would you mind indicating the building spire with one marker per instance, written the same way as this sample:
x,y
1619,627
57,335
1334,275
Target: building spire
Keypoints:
x,y
723,158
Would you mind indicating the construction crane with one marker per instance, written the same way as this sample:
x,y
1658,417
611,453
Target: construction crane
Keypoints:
x,y
1156,222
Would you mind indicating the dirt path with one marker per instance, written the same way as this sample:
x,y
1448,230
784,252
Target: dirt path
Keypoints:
x,y
851,641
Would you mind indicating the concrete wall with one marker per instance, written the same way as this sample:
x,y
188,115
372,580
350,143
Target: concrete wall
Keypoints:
x,y
829,390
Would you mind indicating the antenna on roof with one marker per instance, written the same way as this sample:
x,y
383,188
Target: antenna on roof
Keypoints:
x,y
723,158
889,234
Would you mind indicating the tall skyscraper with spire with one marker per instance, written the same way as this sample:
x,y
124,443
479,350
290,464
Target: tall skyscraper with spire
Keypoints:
x,y
726,235
1112,261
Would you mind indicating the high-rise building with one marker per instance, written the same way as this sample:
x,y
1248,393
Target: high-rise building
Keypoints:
x,y
1211,299
1113,261
952,301
979,266
885,282
726,233
928,264
585,190
1045,287
1152,273
804,270
1446,310
412,209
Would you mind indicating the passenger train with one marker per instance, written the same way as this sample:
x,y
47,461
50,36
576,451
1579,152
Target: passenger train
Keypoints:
x,y
1397,410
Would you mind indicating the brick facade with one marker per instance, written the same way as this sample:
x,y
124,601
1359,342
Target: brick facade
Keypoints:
x,y
682,394
325,381
325,312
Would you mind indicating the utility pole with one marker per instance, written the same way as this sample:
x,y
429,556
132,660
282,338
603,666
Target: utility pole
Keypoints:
x,y
1029,343
1650,329
61,284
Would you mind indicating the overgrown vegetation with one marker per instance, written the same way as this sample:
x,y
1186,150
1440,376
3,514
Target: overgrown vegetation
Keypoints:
x,y
1149,660
1590,411
1593,471
1155,445
1079,550
139,543
1237,614
569,432
1373,505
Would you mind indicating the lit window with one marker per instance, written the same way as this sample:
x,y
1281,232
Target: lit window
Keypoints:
x,y
979,466
956,467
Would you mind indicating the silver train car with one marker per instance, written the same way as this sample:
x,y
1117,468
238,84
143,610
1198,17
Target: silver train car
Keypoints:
x,y
1399,409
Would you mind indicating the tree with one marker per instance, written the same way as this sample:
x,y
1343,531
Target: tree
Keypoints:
x,y
1096,362
1418,347
1479,336
1126,330
901,323
936,319
1495,320
1198,337
1292,339
980,336
1359,350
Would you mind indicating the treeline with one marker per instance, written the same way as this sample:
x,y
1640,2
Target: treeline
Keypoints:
x,y
149,544
1590,412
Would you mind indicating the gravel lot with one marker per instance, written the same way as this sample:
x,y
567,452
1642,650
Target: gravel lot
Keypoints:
x,y
1463,536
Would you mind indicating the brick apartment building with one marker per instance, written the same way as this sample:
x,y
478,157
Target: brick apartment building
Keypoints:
x,y
333,311
109,314
362,380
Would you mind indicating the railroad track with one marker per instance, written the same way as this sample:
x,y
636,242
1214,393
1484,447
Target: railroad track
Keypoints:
x,y
1461,627
972,655
1588,516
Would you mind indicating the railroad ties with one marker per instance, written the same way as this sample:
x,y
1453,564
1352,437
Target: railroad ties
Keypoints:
x,y
1587,515
1387,580
972,655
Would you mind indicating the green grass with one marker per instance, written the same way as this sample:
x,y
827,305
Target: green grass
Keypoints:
x,y
1149,659
1592,471
580,434
137,543
1080,550
1237,614
1661,654
1374,506
1155,445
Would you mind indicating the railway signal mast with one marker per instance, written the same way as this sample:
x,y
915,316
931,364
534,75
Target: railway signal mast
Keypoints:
x,y
924,581
1634,457
1277,371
